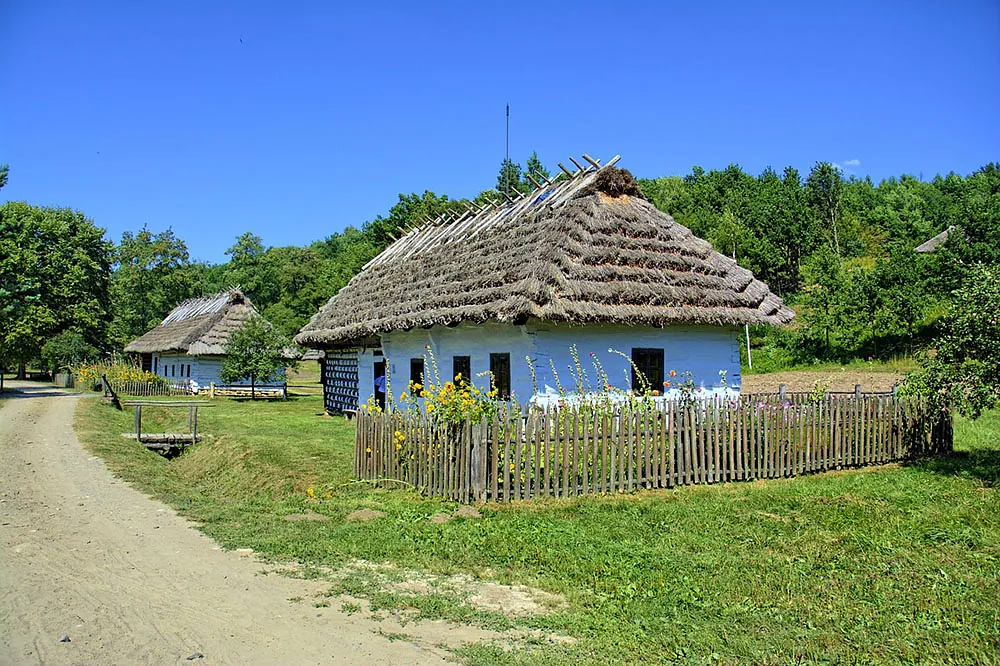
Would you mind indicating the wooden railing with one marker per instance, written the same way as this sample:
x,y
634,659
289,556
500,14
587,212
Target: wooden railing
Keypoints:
x,y
145,389
577,451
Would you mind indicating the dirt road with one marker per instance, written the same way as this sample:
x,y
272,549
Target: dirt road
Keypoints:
x,y
84,555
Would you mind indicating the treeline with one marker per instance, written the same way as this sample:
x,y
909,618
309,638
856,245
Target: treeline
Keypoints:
x,y
841,251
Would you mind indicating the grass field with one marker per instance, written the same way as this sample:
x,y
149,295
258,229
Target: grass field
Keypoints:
x,y
898,564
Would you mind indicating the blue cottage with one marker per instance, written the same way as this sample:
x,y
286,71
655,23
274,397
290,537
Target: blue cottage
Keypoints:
x,y
580,283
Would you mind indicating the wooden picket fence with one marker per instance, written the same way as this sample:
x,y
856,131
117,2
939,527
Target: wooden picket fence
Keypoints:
x,y
620,448
146,389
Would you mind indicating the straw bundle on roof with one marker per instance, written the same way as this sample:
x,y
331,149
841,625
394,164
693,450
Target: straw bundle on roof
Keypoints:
x,y
586,250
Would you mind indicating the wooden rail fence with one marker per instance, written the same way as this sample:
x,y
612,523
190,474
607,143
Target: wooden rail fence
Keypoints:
x,y
146,389
578,451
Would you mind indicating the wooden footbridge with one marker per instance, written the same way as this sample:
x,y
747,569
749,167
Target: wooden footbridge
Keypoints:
x,y
167,443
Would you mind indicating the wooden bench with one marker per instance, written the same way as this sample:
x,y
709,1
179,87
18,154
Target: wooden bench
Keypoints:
x,y
165,442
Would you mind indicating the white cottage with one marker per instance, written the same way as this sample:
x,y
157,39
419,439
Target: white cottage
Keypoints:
x,y
188,346
510,290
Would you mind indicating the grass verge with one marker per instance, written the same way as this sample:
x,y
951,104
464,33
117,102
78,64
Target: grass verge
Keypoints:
x,y
898,564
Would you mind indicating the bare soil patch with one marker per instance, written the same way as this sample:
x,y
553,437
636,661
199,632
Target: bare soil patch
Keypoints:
x,y
835,380
308,515
510,600
364,515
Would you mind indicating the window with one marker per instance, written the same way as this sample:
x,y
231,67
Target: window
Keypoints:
x,y
461,366
156,362
173,369
417,373
500,367
648,364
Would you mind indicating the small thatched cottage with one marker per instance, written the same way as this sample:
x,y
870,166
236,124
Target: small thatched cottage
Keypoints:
x,y
189,344
584,261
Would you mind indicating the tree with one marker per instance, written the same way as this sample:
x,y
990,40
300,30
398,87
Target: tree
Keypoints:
x,y
251,269
536,169
4,171
54,275
822,294
965,370
824,188
152,274
410,210
67,349
256,350
509,179
300,275
904,296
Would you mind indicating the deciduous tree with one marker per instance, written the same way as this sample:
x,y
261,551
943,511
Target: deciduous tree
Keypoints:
x,y
256,351
54,275
964,371
152,274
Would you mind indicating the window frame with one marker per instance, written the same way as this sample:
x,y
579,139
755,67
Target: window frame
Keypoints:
x,y
418,377
463,366
646,360
499,378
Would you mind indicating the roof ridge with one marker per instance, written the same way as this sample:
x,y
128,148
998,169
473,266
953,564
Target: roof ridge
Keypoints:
x,y
553,193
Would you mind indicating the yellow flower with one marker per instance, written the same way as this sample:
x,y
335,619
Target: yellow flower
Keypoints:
x,y
368,449
430,408
402,396
399,446
309,491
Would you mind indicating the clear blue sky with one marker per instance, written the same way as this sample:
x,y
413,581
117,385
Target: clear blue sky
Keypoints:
x,y
294,120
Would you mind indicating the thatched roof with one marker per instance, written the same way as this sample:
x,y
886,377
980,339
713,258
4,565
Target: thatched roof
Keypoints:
x,y
198,326
313,355
584,250
932,244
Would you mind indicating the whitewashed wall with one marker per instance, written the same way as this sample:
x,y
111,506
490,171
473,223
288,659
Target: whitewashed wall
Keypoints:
x,y
702,350
204,370
474,341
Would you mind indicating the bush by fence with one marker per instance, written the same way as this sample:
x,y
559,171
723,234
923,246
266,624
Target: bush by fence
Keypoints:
x,y
617,448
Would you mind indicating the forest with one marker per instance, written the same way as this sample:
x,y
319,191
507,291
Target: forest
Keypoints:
x,y
839,250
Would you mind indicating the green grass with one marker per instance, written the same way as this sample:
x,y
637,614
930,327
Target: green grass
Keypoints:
x,y
899,564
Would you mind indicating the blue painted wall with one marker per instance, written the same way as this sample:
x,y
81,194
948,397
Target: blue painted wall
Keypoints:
x,y
702,350
204,370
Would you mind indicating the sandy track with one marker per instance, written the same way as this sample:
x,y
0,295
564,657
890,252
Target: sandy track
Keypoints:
x,y
130,582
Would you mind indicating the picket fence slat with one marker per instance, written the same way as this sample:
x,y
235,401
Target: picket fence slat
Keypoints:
x,y
622,448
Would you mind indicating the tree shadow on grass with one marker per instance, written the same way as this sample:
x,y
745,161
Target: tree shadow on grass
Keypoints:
x,y
980,464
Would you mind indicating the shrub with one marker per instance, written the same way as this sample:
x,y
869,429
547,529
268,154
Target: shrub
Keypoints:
x,y
118,370
66,350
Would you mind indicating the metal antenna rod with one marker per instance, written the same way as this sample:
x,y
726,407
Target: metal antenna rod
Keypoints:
x,y
506,154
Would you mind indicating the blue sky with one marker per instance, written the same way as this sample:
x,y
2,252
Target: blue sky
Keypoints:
x,y
294,120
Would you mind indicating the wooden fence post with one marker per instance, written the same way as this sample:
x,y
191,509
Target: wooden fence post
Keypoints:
x,y
477,461
211,390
